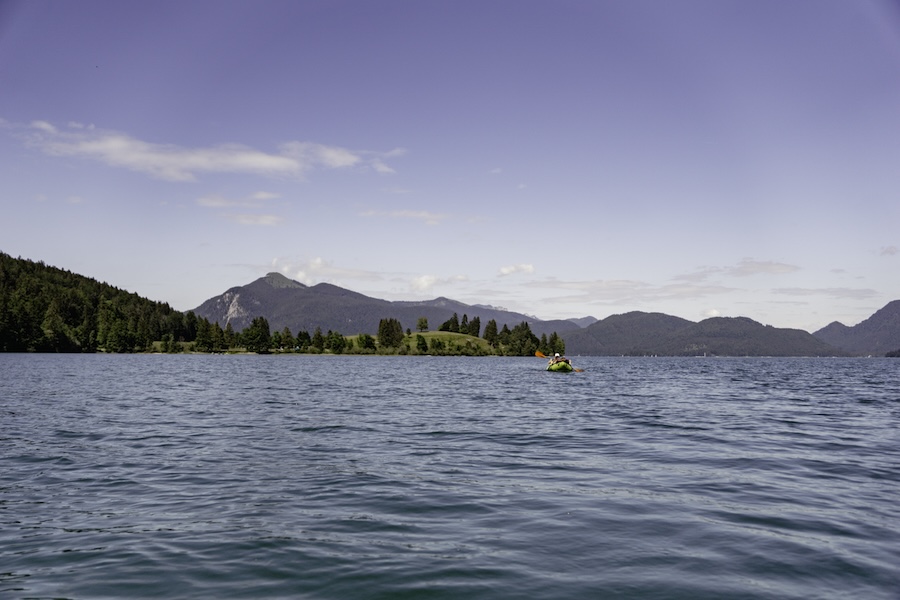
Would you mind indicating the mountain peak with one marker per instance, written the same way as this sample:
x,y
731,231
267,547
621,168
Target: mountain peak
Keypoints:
x,y
277,280
287,303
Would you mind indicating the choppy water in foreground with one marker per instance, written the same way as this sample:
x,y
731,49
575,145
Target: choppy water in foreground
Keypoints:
x,y
412,477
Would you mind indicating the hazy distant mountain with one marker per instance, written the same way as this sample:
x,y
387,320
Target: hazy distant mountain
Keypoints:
x,y
288,303
877,335
639,333
740,336
630,333
584,321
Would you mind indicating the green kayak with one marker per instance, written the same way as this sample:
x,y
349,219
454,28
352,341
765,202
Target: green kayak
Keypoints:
x,y
560,367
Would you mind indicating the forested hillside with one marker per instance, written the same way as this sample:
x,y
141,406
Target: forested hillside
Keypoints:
x,y
876,336
46,309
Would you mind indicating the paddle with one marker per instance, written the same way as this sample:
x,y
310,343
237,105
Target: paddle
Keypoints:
x,y
540,354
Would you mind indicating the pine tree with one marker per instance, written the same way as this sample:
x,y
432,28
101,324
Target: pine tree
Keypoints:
x,y
490,333
390,333
318,340
474,328
257,337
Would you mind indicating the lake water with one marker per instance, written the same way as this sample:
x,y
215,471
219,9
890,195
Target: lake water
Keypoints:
x,y
415,477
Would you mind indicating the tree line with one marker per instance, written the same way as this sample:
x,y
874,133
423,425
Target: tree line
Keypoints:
x,y
46,309
391,339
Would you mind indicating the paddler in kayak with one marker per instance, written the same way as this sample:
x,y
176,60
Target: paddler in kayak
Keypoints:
x,y
558,363
558,359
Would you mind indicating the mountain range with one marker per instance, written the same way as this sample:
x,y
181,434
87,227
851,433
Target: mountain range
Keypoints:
x,y
642,334
288,303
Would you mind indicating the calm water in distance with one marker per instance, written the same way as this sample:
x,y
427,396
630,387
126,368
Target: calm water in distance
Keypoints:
x,y
152,476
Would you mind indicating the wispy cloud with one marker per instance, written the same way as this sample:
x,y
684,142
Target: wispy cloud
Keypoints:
x,y
616,291
838,293
176,163
255,200
429,218
264,196
889,251
745,268
264,220
425,283
512,269
318,270
748,267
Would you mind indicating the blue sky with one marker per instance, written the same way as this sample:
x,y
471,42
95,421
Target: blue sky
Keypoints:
x,y
558,158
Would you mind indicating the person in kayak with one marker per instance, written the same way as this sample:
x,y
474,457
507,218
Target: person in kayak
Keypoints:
x,y
558,359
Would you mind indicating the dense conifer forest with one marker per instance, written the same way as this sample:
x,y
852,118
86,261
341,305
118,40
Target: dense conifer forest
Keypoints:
x,y
46,309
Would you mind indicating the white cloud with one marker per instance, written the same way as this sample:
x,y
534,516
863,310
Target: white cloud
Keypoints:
x,y
839,293
889,251
511,269
425,283
617,291
428,218
309,154
381,167
253,201
317,270
264,220
44,126
215,202
176,163
748,267
745,268
699,275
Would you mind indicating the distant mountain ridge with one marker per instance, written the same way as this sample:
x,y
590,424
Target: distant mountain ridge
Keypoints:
x,y
875,336
656,334
288,303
